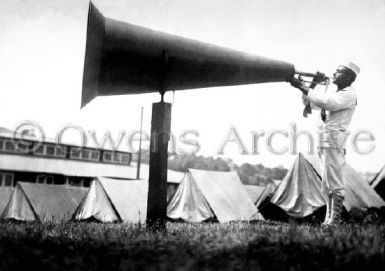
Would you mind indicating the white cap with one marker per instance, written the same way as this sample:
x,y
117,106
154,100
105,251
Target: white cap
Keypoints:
x,y
351,66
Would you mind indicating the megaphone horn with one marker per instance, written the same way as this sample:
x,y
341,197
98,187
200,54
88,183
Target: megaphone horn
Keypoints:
x,y
123,58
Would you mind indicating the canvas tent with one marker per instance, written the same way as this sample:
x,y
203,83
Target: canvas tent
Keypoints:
x,y
277,182
5,195
358,193
210,194
174,178
300,192
378,183
259,194
112,200
43,202
254,191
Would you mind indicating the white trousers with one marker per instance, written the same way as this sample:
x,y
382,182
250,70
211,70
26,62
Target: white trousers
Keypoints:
x,y
332,166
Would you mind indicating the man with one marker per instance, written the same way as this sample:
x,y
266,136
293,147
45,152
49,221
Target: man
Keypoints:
x,y
337,109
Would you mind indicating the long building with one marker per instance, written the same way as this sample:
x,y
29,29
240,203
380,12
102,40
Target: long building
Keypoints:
x,y
30,160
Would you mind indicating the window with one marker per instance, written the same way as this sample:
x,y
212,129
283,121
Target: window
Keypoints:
x,y
121,158
74,181
75,152
125,158
50,180
40,179
61,151
78,181
23,147
40,149
15,146
117,157
45,179
6,179
9,146
85,154
107,156
95,155
50,150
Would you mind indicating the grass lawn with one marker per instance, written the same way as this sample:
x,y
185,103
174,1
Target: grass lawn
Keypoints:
x,y
234,246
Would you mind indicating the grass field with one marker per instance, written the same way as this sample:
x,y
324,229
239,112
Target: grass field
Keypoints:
x,y
234,246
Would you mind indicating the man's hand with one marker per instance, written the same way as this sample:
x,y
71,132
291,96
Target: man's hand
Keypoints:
x,y
320,77
295,82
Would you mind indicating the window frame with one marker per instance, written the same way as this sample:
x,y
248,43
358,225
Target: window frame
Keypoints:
x,y
127,156
43,179
2,140
3,179
13,146
111,159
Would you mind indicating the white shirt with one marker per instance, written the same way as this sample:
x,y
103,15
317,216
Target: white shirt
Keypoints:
x,y
340,106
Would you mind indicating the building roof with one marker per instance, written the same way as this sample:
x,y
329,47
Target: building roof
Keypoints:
x,y
47,140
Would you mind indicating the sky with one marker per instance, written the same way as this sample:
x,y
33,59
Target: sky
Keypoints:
x,y
42,47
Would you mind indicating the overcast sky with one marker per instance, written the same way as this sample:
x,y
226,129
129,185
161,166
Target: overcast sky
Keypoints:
x,y
42,45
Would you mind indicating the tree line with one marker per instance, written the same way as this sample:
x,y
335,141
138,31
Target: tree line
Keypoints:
x,y
251,174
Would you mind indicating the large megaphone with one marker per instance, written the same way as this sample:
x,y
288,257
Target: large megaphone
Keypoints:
x,y
122,58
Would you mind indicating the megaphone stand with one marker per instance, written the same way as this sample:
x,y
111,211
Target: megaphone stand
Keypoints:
x,y
157,190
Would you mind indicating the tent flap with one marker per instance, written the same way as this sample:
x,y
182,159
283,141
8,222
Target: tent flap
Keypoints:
x,y
96,205
299,193
189,203
18,207
5,195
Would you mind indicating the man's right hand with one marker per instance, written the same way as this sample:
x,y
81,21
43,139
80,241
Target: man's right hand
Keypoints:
x,y
295,82
320,77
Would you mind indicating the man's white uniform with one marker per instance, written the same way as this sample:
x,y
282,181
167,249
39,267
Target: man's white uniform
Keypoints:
x,y
338,106
333,132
